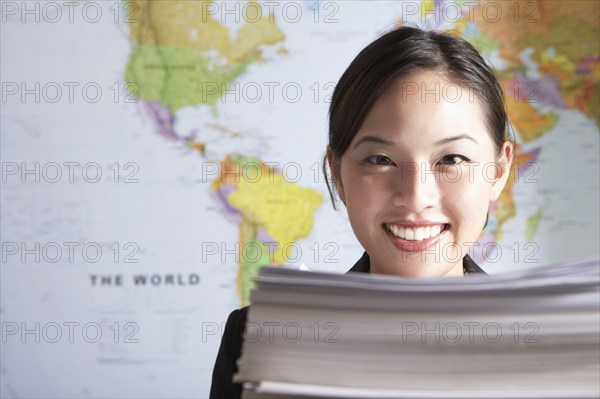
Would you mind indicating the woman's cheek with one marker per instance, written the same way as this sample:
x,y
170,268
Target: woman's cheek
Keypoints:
x,y
466,198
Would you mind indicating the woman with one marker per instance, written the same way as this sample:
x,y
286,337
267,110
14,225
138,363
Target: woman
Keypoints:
x,y
417,151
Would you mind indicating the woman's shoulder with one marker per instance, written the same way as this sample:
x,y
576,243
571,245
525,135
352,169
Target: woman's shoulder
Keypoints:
x,y
230,350
237,317
363,265
234,327
470,267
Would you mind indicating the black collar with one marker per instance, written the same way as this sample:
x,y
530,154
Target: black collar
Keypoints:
x,y
364,265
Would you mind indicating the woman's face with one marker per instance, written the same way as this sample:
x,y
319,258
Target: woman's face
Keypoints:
x,y
419,175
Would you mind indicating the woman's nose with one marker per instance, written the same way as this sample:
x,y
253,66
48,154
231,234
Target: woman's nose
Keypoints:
x,y
415,187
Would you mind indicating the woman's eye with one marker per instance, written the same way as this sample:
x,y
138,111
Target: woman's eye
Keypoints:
x,y
453,159
379,160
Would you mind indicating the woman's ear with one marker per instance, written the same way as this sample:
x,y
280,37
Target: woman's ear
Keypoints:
x,y
503,165
334,167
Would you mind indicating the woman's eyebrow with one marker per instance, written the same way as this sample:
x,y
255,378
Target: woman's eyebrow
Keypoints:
x,y
379,140
462,136
373,139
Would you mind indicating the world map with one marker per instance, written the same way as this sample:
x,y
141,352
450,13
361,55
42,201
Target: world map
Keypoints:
x,y
183,56
156,154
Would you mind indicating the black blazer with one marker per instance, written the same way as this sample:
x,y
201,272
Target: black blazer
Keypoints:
x,y
231,343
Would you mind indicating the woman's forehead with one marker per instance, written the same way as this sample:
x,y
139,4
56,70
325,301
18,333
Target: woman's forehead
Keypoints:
x,y
424,105
427,87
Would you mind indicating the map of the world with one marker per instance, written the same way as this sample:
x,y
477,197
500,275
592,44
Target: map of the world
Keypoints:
x,y
156,154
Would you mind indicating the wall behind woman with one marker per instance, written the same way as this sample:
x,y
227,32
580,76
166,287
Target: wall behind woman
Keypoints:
x,y
155,155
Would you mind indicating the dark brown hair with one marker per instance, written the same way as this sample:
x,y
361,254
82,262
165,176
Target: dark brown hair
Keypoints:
x,y
398,54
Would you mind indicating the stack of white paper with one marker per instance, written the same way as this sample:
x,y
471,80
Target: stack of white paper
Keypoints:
x,y
529,334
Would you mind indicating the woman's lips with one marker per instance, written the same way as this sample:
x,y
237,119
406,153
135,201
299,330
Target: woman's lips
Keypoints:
x,y
415,239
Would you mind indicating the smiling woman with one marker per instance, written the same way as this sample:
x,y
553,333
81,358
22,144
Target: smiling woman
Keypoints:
x,y
417,150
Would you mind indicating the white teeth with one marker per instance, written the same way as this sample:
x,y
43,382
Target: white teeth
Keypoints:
x,y
427,232
416,234
419,233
